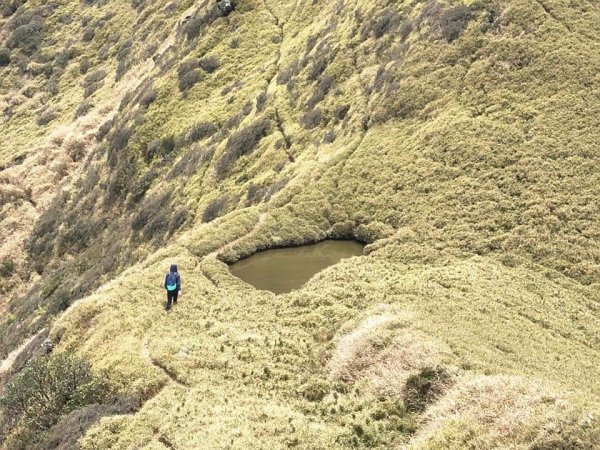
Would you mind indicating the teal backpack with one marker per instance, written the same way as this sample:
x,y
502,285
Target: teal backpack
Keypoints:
x,y
171,281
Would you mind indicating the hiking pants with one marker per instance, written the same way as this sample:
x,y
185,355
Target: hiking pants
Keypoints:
x,y
171,297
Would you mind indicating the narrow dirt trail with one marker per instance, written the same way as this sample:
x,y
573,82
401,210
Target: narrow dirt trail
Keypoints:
x,y
259,223
147,357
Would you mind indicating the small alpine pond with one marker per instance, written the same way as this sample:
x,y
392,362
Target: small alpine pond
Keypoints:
x,y
282,270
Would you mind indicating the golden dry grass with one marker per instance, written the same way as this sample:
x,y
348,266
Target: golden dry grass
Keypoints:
x,y
467,164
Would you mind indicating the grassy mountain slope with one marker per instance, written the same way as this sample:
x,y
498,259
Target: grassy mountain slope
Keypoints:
x,y
456,138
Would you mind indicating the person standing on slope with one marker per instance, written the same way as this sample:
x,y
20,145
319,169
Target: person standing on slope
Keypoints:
x,y
172,285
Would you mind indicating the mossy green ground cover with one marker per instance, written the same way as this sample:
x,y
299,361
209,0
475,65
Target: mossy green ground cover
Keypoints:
x,y
458,139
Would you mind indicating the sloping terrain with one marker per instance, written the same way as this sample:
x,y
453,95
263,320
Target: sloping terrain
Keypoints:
x,y
457,139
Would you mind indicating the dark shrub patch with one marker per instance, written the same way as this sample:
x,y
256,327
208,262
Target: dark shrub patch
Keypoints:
x,y
188,74
209,64
201,130
147,97
321,90
167,144
120,181
214,209
7,267
94,77
160,147
194,25
454,21
177,220
139,189
84,65
89,90
93,82
241,143
261,101
88,34
341,112
122,57
48,388
405,30
153,213
124,50
275,188
187,164
311,119
27,32
424,387
285,75
254,194
104,129
4,57
10,7
83,109
318,66
46,117
387,20
120,138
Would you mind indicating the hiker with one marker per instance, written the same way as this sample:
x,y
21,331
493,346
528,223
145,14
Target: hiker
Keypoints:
x,y
172,285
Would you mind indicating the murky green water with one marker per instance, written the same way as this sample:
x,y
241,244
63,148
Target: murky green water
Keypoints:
x,y
285,269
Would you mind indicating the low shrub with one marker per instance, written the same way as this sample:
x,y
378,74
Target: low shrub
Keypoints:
x,y
88,34
28,32
454,21
75,148
84,65
286,74
7,268
10,7
160,147
46,117
4,57
201,130
122,176
48,388
275,188
93,82
318,66
214,209
241,143
177,220
150,208
321,90
147,97
188,74
209,64
405,29
424,387
341,112
104,129
254,194
194,25
387,20
94,77
120,138
329,137
311,119
261,101
83,109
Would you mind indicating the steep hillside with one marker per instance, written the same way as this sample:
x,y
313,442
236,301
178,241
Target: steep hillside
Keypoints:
x,y
457,138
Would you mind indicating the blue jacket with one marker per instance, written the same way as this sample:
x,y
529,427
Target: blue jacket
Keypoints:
x,y
173,269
